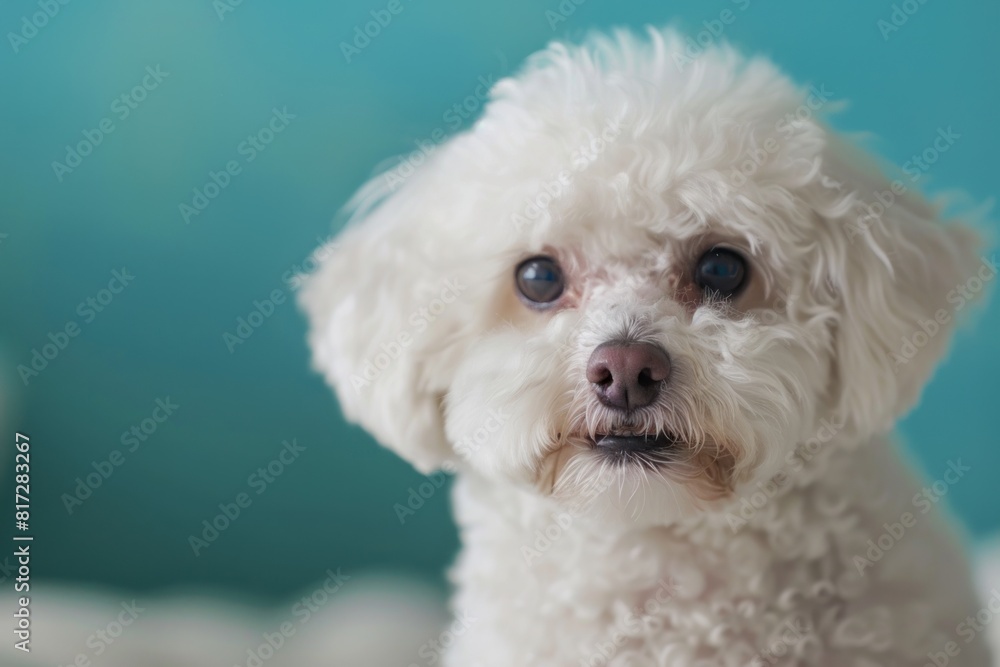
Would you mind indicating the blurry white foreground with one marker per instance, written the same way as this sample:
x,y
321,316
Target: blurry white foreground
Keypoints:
x,y
363,622
367,622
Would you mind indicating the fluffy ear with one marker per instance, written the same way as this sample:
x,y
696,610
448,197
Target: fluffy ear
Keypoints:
x,y
902,277
377,310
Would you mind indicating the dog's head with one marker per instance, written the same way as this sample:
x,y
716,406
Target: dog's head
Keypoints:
x,y
638,271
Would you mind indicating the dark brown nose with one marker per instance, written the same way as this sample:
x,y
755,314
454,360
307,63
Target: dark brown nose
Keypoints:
x,y
627,375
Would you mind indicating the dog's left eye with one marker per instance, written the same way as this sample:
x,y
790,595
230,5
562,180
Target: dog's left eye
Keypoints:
x,y
539,280
721,271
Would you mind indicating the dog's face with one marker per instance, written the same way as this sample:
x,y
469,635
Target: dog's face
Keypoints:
x,y
637,283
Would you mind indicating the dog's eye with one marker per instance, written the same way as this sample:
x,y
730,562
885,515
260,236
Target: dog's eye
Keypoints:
x,y
721,271
539,280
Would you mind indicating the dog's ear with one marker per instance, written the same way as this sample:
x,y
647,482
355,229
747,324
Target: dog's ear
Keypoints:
x,y
378,310
902,277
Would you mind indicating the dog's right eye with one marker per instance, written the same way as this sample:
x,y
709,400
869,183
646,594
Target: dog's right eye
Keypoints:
x,y
722,272
539,280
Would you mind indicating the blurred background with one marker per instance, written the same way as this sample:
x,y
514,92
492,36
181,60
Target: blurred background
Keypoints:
x,y
167,167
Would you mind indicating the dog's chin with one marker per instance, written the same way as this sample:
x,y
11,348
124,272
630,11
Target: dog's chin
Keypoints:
x,y
620,486
618,474
631,476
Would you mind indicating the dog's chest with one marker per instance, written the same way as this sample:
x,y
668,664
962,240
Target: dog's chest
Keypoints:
x,y
786,588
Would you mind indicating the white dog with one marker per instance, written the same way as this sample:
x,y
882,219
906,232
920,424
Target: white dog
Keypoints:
x,y
661,321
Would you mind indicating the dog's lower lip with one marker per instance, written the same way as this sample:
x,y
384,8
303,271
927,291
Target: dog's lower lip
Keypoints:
x,y
611,441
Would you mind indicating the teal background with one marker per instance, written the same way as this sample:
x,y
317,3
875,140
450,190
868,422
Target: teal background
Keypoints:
x,y
162,336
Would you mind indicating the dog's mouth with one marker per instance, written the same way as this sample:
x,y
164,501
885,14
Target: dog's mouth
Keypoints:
x,y
646,448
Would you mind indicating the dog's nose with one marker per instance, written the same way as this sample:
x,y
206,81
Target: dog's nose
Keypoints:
x,y
627,375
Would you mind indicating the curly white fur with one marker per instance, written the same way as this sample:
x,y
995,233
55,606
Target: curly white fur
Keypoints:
x,y
625,164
